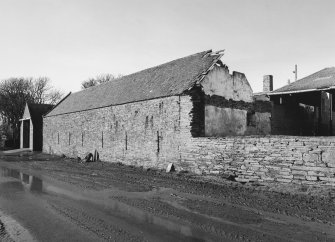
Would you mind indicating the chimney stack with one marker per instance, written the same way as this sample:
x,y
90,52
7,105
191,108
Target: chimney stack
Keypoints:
x,y
267,83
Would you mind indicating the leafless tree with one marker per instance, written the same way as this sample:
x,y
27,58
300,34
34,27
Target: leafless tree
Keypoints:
x,y
43,92
102,78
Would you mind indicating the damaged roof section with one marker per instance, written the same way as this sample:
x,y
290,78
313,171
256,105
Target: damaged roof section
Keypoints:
x,y
169,79
319,81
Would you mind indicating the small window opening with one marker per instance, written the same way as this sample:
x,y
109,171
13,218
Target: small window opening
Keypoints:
x,y
146,122
58,138
158,139
116,126
161,107
152,121
102,139
126,141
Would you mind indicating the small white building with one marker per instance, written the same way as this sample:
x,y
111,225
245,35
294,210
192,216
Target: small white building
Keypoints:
x,y
31,131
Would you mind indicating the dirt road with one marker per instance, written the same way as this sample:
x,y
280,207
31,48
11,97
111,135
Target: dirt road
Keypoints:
x,y
46,198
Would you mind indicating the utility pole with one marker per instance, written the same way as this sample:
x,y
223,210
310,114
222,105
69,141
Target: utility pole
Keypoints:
x,y
295,72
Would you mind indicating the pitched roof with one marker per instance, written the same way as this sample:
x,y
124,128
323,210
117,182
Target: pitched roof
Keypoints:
x,y
321,80
38,110
169,79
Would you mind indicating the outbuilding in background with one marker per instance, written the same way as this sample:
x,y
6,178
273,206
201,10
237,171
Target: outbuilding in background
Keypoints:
x,y
31,131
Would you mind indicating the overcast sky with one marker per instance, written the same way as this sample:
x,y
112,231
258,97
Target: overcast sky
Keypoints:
x,y
72,40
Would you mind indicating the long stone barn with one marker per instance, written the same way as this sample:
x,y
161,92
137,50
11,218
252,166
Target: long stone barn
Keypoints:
x,y
150,118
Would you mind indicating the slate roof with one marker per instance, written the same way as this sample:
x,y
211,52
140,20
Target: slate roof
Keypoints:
x,y
38,110
169,79
321,80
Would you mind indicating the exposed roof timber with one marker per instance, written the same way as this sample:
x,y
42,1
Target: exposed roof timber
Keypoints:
x,y
211,53
219,52
208,53
301,91
202,75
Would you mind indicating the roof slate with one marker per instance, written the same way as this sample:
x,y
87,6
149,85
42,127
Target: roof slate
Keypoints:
x,y
319,80
169,79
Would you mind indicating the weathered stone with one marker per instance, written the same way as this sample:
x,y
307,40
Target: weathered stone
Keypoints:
x,y
328,179
299,177
284,180
310,157
311,178
329,157
267,178
297,172
241,179
315,173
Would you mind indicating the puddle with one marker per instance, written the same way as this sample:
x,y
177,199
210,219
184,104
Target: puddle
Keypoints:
x,y
31,183
103,200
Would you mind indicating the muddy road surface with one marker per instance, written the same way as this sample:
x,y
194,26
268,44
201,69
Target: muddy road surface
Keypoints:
x,y
47,198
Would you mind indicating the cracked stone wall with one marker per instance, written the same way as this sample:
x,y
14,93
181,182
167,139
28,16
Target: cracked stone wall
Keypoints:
x,y
288,159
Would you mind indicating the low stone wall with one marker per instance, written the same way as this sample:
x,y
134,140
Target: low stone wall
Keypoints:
x,y
303,160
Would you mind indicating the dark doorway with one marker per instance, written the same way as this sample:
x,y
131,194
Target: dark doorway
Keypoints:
x,y
26,133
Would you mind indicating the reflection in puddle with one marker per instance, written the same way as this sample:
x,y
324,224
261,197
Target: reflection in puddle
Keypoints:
x,y
30,182
102,199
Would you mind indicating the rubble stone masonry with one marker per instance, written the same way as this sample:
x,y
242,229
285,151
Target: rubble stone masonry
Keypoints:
x,y
155,132
141,133
288,159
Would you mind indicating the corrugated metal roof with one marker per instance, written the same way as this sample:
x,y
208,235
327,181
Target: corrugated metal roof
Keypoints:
x,y
168,79
321,80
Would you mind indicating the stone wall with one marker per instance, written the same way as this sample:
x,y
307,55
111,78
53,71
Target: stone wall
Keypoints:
x,y
142,133
304,160
156,132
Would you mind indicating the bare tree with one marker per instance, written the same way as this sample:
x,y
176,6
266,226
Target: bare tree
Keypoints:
x,y
43,92
102,78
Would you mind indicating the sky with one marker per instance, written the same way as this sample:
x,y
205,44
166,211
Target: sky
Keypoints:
x,y
70,41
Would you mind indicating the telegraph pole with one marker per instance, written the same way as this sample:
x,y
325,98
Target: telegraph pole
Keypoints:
x,y
295,72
